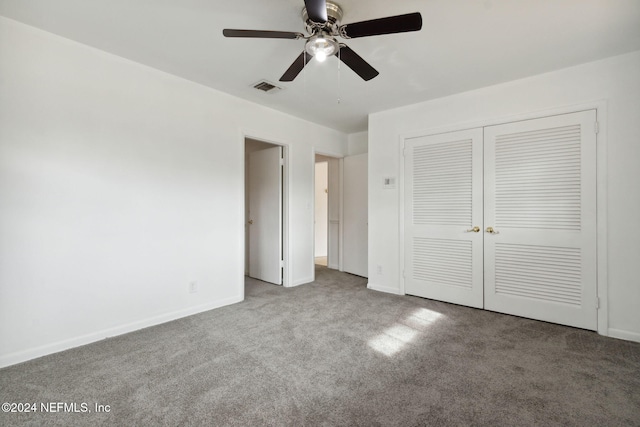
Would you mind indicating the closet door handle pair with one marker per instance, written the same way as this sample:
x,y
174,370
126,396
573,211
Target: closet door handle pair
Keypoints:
x,y
489,230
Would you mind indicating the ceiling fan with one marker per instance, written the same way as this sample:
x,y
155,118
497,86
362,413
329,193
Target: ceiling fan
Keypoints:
x,y
322,21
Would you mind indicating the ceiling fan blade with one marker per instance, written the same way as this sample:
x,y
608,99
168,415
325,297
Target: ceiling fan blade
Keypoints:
x,y
297,66
261,34
356,63
317,10
388,25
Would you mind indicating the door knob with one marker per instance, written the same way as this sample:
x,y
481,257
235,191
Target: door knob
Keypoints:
x,y
250,221
475,229
490,230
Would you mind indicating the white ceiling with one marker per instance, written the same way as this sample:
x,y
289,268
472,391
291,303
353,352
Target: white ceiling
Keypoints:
x,y
464,44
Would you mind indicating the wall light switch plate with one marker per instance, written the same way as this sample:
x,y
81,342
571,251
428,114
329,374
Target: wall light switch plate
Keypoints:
x,y
389,182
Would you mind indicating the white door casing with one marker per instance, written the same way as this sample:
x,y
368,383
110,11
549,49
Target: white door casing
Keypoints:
x,y
540,196
443,205
265,213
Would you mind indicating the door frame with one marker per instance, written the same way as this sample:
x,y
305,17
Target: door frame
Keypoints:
x,y
600,106
338,156
286,272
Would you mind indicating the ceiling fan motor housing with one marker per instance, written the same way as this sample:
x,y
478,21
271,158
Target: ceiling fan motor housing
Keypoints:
x,y
334,17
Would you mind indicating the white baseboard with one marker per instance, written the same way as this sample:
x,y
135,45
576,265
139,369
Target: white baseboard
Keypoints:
x,y
25,355
386,289
624,335
301,282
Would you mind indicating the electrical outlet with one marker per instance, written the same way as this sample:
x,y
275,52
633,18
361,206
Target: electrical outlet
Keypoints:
x,y
379,269
193,287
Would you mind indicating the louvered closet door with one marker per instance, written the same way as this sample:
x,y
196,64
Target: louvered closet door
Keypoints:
x,y
443,199
540,183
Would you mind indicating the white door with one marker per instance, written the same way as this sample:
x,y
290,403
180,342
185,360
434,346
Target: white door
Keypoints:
x,y
443,206
355,215
265,215
540,197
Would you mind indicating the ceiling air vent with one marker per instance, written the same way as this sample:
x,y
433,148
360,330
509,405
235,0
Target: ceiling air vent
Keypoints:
x,y
266,86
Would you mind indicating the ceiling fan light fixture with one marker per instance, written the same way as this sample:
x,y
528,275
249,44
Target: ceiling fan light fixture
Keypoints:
x,y
322,21
321,47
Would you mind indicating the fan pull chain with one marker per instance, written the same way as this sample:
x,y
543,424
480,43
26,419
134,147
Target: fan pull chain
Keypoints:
x,y
339,61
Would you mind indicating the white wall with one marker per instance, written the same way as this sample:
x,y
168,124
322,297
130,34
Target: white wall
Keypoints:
x,y
119,186
616,80
357,143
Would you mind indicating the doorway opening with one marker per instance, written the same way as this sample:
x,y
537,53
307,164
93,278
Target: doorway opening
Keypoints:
x,y
327,211
321,223
265,211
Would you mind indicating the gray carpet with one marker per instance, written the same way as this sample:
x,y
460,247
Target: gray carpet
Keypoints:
x,y
334,353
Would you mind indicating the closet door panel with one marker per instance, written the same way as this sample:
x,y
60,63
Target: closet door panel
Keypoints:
x,y
540,200
443,202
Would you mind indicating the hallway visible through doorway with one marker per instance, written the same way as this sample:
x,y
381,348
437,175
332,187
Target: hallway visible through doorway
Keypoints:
x,y
321,260
327,211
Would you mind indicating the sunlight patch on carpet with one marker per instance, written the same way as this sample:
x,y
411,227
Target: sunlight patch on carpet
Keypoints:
x,y
396,337
423,317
